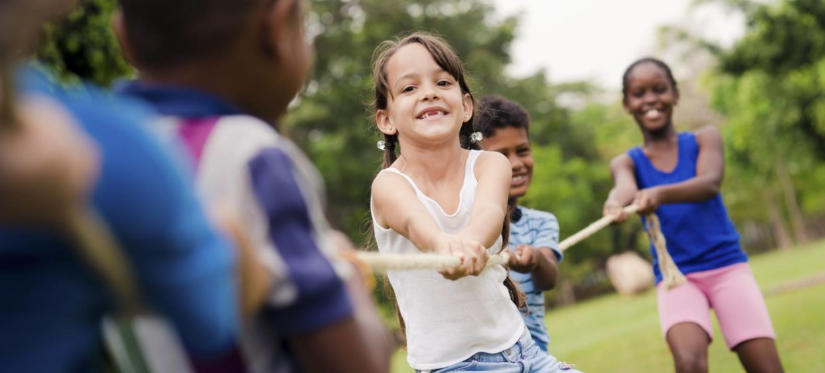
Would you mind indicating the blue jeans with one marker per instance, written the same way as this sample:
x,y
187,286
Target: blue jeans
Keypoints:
x,y
522,357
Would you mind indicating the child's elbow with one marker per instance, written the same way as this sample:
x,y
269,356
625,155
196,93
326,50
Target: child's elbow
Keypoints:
x,y
713,187
549,284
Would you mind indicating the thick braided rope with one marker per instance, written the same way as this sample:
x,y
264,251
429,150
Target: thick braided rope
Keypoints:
x,y
592,229
378,262
671,275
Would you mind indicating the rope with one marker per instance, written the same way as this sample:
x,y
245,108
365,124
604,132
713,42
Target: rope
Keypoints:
x,y
671,275
593,228
101,251
378,262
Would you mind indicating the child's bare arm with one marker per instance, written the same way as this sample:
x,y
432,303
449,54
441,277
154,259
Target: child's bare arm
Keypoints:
x,y
396,206
48,166
341,348
494,173
622,194
710,170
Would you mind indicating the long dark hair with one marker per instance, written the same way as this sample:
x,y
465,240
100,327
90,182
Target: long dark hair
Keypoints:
x,y
447,59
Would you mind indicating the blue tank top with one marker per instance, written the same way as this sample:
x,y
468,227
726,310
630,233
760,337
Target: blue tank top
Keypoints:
x,y
700,235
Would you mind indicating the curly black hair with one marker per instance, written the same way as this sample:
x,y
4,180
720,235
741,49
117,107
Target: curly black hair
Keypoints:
x,y
498,112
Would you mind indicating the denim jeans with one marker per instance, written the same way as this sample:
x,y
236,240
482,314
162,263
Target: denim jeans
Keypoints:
x,y
523,357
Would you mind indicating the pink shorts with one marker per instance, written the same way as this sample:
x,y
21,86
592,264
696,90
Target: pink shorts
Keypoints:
x,y
732,293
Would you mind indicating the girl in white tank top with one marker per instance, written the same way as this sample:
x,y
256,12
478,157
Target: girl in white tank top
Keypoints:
x,y
439,197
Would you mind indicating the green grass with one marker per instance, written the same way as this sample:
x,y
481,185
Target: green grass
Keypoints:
x,y
615,334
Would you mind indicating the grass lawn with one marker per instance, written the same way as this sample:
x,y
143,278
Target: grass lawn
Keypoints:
x,y
615,334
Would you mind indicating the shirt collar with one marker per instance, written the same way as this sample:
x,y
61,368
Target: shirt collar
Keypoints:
x,y
179,101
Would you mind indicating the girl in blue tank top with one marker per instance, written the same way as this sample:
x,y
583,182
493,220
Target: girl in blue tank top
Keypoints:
x,y
678,176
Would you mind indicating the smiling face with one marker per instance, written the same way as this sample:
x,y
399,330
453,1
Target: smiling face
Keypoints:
x,y
425,103
515,145
650,97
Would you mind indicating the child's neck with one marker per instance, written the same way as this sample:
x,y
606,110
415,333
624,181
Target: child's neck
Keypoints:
x,y
229,87
660,138
432,163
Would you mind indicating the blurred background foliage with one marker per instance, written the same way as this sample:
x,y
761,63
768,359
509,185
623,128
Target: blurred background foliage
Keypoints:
x,y
766,93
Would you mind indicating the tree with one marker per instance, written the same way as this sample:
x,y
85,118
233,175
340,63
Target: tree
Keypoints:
x,y
769,86
82,45
332,122
775,98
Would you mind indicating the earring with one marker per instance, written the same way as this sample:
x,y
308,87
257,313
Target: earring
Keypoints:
x,y
475,138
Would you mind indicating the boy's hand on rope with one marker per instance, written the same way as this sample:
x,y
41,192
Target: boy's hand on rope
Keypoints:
x,y
647,200
472,253
524,259
614,208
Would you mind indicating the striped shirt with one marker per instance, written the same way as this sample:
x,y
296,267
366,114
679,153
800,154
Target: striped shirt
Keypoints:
x,y
277,195
537,229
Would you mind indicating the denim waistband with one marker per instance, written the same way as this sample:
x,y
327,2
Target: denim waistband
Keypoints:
x,y
512,354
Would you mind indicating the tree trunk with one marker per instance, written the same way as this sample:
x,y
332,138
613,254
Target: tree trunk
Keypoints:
x,y
780,233
800,234
566,295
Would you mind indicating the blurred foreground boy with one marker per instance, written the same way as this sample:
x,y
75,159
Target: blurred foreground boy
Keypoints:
x,y
223,72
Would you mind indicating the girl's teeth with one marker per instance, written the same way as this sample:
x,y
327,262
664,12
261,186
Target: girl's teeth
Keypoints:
x,y
652,113
426,115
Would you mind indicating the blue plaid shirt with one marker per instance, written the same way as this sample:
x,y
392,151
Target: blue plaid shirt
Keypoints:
x,y
537,229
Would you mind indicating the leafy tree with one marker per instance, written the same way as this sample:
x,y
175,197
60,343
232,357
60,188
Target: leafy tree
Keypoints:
x,y
82,46
769,86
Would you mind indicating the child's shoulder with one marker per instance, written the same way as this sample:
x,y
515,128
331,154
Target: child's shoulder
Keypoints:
x,y
488,156
238,139
489,161
623,161
245,130
390,181
707,134
241,143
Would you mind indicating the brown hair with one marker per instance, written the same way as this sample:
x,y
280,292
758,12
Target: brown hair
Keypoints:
x,y
447,59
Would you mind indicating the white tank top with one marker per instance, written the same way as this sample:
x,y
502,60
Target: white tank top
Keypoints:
x,y
449,321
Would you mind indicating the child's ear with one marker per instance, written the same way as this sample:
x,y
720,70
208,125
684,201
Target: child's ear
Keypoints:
x,y
382,120
467,102
676,96
119,29
278,26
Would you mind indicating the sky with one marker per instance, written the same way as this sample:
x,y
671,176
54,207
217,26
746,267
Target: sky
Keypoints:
x,y
597,39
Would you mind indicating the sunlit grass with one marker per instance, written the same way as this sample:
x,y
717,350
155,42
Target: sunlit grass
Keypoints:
x,y
615,334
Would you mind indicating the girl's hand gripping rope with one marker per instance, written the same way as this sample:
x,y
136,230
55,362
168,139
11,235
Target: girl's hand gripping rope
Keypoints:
x,y
647,200
473,255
